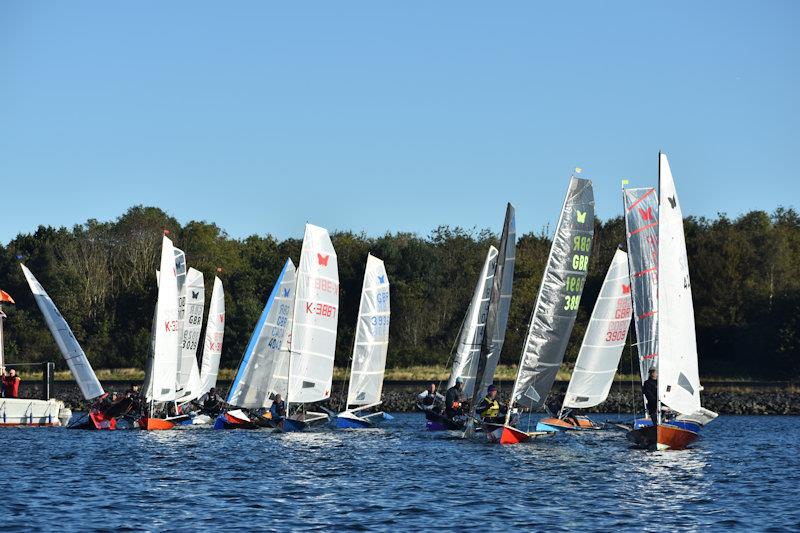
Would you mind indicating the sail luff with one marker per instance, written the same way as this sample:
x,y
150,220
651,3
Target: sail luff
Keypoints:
x,y
559,294
604,339
67,343
372,337
215,332
166,337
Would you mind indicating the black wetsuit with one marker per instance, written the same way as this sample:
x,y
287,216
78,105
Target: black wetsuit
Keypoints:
x,y
212,405
650,391
453,396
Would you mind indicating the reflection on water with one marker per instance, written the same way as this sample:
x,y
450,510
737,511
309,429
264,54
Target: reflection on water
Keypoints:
x,y
400,477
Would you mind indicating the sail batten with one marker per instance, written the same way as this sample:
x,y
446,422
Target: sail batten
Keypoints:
x,y
67,343
372,337
604,339
557,302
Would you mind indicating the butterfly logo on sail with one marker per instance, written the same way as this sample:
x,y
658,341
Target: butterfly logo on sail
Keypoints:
x,y
286,293
382,279
323,259
195,295
222,317
672,201
580,216
646,214
626,289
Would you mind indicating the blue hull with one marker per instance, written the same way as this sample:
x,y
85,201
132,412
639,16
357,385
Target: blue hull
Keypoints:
x,y
350,423
547,427
682,424
289,425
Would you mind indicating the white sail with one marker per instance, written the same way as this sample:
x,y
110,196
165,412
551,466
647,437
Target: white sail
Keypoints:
x,y
604,339
167,330
468,350
188,376
316,313
215,331
254,380
678,377
372,337
65,339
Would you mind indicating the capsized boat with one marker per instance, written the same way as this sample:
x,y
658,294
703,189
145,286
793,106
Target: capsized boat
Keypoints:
x,y
554,312
672,349
369,351
100,415
160,383
263,370
600,351
314,327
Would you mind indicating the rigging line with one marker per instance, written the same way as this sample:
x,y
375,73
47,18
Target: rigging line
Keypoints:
x,y
452,349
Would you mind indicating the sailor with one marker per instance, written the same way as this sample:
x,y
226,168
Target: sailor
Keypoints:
x,y
490,408
429,399
650,391
213,403
278,409
11,384
454,401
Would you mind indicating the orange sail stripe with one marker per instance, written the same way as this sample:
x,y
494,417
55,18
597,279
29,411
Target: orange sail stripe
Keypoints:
x,y
5,297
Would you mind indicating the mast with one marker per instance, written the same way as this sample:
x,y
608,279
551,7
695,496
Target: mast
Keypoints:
x,y
658,269
2,349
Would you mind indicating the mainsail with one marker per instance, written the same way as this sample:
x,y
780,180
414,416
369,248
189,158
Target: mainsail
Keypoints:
x,y
468,350
252,386
65,339
678,379
499,305
559,294
604,339
316,313
166,334
641,222
215,330
193,303
372,337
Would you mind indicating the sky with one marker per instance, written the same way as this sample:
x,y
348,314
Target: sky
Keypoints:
x,y
390,116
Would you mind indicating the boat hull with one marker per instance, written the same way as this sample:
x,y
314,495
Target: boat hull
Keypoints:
x,y
155,424
437,422
291,425
558,424
35,413
346,422
503,434
662,437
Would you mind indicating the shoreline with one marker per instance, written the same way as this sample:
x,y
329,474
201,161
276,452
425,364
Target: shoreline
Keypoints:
x,y
400,396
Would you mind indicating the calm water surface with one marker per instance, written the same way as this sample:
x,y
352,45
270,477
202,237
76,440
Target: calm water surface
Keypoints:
x,y
744,474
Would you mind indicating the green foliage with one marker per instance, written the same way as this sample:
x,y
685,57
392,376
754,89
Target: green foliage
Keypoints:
x,y
101,276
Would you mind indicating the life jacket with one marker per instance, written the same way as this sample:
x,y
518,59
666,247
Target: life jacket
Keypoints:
x,y
493,409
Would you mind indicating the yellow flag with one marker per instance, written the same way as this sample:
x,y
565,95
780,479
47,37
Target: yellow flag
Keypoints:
x,y
625,182
578,170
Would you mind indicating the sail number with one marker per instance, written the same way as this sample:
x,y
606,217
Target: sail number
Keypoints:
x,y
382,298
580,262
571,302
581,244
320,309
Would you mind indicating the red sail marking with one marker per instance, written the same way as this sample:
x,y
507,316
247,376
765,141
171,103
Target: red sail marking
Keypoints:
x,y
651,356
634,204
642,229
651,313
643,272
626,289
323,259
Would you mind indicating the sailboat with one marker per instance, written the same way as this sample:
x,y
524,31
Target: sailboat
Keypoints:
x,y
314,327
554,312
100,416
664,313
369,350
191,303
160,390
263,371
212,347
477,353
600,351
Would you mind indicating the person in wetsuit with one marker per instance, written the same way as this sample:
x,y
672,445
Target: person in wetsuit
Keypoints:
x,y
454,402
430,400
213,403
650,391
490,409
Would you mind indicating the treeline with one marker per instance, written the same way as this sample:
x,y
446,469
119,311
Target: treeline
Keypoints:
x,y
102,277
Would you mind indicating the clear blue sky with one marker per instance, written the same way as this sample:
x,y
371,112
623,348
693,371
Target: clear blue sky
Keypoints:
x,y
381,116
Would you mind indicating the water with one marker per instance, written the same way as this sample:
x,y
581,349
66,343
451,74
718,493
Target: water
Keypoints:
x,y
743,474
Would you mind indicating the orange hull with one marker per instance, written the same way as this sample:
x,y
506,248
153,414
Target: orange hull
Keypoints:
x,y
509,435
155,424
662,437
583,423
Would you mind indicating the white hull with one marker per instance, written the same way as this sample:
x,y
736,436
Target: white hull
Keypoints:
x,y
28,412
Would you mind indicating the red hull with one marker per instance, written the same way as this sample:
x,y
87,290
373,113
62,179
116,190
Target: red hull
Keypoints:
x,y
100,421
155,424
508,435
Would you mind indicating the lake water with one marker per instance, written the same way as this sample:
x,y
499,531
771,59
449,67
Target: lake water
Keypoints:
x,y
744,474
